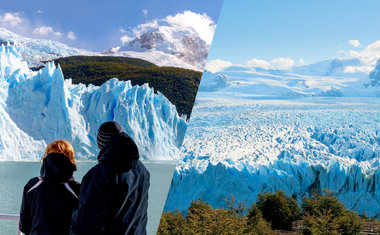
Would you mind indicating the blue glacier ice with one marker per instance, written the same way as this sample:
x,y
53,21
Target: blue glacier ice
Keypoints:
x,y
39,107
261,130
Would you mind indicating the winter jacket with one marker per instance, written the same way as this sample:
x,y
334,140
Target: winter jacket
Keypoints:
x,y
49,200
114,194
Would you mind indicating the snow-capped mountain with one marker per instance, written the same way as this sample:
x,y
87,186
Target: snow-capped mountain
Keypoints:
x,y
180,49
325,78
172,41
213,82
374,76
37,51
39,107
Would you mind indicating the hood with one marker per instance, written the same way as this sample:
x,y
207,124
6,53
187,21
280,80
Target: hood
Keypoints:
x,y
121,152
57,168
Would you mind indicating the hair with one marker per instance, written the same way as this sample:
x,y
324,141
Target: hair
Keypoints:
x,y
61,146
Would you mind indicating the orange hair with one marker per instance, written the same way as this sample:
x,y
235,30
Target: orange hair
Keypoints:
x,y
61,146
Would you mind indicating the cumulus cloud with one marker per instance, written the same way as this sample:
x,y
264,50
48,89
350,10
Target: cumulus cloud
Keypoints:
x,y
369,55
356,69
11,18
282,63
257,63
43,30
354,43
71,35
217,65
124,39
201,24
277,63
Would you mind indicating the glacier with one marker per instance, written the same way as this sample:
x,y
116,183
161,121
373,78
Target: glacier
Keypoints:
x,y
261,130
37,108
37,51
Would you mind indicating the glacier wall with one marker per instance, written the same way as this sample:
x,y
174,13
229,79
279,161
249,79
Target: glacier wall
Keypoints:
x,y
245,147
37,108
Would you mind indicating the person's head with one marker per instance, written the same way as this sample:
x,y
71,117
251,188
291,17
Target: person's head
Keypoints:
x,y
61,146
107,131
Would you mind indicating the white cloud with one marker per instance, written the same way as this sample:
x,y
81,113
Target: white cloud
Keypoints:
x,y
354,43
124,39
301,61
47,31
40,12
71,35
257,63
277,63
186,22
58,34
201,23
145,12
282,63
360,69
43,30
122,30
369,55
11,18
217,65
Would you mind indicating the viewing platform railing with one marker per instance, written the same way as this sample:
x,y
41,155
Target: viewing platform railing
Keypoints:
x,y
12,217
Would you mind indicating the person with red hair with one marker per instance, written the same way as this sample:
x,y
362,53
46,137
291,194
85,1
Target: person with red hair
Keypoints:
x,y
49,200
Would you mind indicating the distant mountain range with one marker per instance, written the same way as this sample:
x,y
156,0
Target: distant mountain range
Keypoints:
x,y
334,77
184,49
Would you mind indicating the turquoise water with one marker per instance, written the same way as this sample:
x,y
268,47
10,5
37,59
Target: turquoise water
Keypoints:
x,y
14,176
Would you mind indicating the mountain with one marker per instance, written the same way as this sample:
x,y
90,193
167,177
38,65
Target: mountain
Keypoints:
x,y
213,82
182,48
37,51
37,108
374,75
325,78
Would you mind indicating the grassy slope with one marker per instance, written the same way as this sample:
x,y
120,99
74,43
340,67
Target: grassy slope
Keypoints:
x,y
178,85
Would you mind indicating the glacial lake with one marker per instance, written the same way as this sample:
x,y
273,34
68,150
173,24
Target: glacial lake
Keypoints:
x,y
14,176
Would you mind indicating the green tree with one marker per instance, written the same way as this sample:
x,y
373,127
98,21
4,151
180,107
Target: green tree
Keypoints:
x,y
278,209
350,223
203,219
326,214
320,223
255,222
172,223
320,204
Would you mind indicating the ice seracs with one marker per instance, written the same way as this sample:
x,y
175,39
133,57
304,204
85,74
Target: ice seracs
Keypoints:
x,y
257,130
40,107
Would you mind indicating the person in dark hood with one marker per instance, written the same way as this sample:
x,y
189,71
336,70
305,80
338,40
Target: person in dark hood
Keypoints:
x,y
49,200
114,194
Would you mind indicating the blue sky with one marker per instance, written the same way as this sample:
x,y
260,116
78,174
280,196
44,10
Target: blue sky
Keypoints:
x,y
95,24
295,29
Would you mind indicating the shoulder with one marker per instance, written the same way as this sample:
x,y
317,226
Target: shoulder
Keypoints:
x,y
75,186
31,183
141,167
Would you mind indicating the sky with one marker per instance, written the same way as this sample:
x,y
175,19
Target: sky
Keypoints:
x,y
93,24
279,32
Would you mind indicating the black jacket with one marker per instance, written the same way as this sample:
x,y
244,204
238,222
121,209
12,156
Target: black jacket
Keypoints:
x,y
114,193
47,203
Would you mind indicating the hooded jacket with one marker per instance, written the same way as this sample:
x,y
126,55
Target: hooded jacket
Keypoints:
x,y
114,193
49,200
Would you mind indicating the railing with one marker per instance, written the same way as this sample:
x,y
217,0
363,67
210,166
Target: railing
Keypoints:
x,y
11,217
